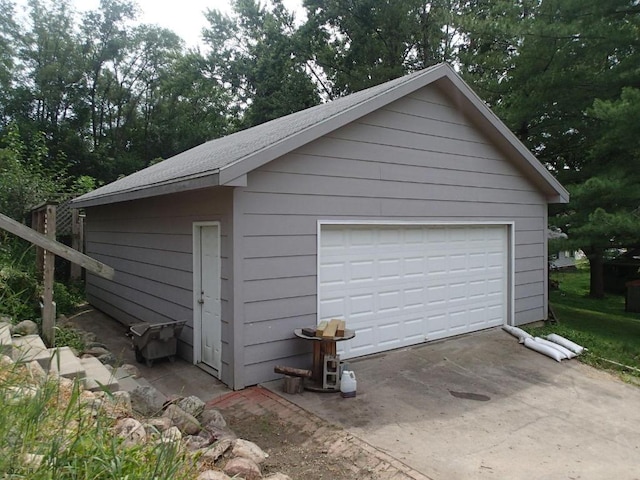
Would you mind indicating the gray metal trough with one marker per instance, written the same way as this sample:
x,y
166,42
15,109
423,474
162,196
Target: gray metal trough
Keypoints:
x,y
156,340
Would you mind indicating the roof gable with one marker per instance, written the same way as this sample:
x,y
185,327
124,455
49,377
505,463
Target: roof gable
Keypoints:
x,y
222,161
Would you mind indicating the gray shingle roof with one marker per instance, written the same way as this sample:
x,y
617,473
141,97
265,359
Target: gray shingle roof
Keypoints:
x,y
220,161
210,157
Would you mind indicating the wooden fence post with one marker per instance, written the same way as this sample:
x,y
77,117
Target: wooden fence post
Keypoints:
x,y
77,241
48,306
37,223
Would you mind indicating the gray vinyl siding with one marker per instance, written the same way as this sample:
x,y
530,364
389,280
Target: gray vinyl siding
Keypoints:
x,y
149,243
416,159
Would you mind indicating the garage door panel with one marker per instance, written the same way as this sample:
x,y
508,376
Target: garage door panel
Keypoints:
x,y
399,285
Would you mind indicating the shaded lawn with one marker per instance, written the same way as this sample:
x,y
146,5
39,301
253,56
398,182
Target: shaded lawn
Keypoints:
x,y
601,325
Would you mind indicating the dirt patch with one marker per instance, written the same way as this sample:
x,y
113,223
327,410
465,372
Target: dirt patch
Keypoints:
x,y
294,451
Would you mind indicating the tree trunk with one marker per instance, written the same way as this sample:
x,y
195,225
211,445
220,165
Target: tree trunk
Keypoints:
x,y
596,279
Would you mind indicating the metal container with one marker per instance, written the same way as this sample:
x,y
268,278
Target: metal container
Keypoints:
x,y
156,340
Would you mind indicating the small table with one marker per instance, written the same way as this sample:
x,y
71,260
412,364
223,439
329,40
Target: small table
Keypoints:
x,y
321,348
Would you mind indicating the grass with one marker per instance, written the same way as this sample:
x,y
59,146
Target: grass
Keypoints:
x,y
50,430
601,325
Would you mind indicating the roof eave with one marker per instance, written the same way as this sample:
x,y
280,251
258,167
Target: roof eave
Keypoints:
x,y
181,185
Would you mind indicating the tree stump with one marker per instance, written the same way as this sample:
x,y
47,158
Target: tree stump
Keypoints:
x,y
291,384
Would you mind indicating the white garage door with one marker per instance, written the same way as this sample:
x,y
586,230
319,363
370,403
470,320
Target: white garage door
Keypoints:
x,y
399,285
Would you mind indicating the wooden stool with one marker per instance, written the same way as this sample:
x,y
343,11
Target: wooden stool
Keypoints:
x,y
293,378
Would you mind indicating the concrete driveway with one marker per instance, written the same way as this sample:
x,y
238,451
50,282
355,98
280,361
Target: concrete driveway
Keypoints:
x,y
483,406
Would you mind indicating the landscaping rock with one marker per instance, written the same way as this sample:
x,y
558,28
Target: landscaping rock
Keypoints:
x,y
147,400
18,394
172,434
213,475
160,424
220,433
131,370
120,402
243,467
131,430
26,327
278,476
194,442
5,361
108,359
192,405
35,370
187,424
95,351
247,449
212,419
217,449
32,460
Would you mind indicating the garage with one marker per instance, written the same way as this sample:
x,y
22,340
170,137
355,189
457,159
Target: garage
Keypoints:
x,y
407,208
402,284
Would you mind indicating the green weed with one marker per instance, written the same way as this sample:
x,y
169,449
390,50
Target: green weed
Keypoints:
x,y
49,431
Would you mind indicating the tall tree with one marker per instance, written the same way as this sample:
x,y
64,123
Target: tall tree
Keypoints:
x,y
8,36
362,43
258,52
543,64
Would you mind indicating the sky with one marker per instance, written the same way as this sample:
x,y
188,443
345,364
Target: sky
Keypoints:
x,y
184,17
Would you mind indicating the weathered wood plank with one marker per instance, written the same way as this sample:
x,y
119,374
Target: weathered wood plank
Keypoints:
x,y
57,248
49,259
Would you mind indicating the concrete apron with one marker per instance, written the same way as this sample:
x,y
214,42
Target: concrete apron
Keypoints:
x,y
482,405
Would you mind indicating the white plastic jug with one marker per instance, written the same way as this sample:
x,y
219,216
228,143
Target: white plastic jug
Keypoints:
x,y
348,384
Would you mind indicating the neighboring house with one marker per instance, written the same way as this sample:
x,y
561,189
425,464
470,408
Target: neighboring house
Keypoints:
x,y
407,209
562,259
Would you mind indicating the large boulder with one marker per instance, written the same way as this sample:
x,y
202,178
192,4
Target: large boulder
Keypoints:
x,y
244,468
213,475
159,424
212,419
217,449
247,449
131,430
278,476
192,405
172,434
187,424
147,400
25,327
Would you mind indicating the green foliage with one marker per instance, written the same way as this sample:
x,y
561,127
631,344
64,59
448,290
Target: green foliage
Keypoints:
x,y
601,325
363,43
67,336
258,52
75,439
68,297
18,287
23,181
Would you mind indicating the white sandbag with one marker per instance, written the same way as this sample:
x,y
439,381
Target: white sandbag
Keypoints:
x,y
517,332
564,351
566,343
543,349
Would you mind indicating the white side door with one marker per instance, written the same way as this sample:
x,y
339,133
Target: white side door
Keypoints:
x,y
208,318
